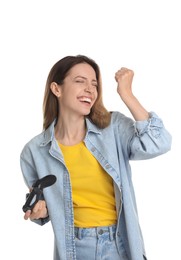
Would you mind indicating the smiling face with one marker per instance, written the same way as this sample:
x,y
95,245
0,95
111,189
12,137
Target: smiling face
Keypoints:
x,y
78,93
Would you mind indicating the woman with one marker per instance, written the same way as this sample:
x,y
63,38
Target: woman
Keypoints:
x,y
92,205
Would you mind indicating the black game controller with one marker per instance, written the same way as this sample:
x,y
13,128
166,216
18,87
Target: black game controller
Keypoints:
x,y
36,193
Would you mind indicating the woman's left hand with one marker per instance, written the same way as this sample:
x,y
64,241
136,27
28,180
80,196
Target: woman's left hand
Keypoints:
x,y
124,78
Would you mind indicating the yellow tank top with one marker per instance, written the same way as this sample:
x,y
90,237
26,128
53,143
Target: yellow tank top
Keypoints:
x,y
92,188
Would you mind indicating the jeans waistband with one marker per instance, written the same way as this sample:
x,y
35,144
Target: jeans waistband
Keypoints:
x,y
95,232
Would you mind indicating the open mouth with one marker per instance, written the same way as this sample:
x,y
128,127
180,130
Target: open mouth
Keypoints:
x,y
85,100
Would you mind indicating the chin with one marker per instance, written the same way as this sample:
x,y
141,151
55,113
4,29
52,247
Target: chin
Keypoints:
x,y
86,113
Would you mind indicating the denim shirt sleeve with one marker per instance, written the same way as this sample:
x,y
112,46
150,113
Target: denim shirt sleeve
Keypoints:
x,y
142,140
150,139
30,175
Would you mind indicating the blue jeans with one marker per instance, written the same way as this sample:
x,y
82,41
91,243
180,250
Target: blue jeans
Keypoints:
x,y
98,244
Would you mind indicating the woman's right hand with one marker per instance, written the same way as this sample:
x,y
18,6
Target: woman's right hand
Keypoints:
x,y
39,211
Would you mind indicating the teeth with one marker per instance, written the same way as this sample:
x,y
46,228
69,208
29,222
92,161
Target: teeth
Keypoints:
x,y
85,99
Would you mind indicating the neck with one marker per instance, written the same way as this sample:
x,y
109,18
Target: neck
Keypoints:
x,y
70,131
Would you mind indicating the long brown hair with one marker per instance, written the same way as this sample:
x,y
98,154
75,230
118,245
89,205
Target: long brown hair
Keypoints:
x,y
98,115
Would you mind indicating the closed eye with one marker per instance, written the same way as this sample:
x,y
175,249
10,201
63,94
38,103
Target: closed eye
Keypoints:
x,y
83,80
80,81
95,85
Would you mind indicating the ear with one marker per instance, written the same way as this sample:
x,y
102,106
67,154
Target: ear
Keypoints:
x,y
56,89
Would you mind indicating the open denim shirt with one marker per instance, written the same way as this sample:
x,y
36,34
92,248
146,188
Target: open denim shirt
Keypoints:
x,y
113,147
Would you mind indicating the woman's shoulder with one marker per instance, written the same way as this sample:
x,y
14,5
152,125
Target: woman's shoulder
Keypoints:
x,y
42,138
118,117
34,142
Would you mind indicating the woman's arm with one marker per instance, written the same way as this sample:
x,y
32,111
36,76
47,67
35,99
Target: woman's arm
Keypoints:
x,y
147,137
124,78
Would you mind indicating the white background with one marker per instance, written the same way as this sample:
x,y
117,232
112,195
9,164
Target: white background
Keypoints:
x,y
142,35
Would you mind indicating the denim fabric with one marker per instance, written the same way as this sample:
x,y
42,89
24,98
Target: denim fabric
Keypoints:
x,y
113,147
98,244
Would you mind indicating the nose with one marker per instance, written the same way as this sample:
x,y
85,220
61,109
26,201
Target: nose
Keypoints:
x,y
89,88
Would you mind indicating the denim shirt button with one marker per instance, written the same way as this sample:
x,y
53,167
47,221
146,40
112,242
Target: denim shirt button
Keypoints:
x,y
93,149
100,232
107,166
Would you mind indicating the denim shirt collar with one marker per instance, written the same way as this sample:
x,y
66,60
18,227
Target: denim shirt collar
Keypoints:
x,y
92,127
49,132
